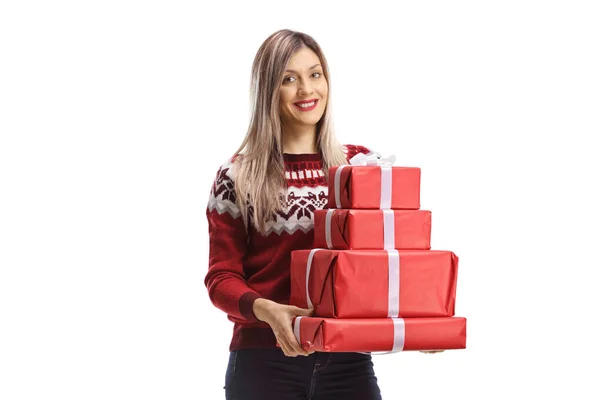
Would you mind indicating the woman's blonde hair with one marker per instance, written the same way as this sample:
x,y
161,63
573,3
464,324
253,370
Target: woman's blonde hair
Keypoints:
x,y
260,176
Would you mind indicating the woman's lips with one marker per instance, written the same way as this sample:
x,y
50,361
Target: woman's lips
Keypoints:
x,y
306,108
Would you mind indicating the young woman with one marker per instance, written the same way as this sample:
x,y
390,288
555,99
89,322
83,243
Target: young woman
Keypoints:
x,y
260,209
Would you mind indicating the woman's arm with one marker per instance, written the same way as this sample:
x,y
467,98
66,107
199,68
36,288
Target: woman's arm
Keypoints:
x,y
225,279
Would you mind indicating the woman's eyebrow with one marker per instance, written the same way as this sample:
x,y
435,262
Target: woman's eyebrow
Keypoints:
x,y
291,70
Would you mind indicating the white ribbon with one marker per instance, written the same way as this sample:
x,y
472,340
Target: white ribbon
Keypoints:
x,y
399,334
328,217
297,328
373,159
308,266
393,283
338,196
389,236
385,202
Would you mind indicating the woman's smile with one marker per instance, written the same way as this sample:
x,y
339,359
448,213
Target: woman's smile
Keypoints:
x,y
306,105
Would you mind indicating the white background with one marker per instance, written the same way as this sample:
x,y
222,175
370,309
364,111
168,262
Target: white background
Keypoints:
x,y
115,116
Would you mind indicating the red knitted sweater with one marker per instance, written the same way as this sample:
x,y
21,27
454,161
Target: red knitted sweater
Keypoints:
x,y
243,267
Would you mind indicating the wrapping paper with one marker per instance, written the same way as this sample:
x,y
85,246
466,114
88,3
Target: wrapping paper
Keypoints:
x,y
380,334
372,229
374,283
360,187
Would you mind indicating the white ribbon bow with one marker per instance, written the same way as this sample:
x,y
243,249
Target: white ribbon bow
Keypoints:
x,y
373,159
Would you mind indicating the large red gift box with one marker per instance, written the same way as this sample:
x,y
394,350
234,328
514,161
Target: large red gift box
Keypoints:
x,y
380,334
374,283
343,229
374,187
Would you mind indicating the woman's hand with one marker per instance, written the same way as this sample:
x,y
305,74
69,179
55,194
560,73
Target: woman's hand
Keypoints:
x,y
279,317
431,351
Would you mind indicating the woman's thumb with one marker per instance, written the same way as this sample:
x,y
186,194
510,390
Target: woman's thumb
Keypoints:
x,y
303,311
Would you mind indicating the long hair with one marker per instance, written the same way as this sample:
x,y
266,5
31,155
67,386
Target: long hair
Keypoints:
x,y
260,176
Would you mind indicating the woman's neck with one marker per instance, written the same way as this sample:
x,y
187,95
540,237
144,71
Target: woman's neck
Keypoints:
x,y
302,139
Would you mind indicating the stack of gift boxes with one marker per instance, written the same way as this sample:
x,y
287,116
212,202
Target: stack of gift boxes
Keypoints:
x,y
372,278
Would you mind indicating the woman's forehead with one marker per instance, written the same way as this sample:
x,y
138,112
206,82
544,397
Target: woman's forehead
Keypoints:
x,y
304,59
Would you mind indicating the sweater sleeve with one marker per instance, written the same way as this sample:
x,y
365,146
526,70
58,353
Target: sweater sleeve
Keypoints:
x,y
225,279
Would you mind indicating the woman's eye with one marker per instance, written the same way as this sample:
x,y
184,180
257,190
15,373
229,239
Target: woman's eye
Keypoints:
x,y
288,78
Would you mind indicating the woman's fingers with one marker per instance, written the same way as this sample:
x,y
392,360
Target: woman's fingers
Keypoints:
x,y
285,347
295,312
282,327
305,312
291,351
288,342
294,342
285,343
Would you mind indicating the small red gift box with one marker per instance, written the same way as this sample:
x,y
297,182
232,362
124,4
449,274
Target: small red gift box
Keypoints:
x,y
343,229
380,334
374,283
374,187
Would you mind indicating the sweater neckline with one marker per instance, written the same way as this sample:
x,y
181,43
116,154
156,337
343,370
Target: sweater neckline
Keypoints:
x,y
291,157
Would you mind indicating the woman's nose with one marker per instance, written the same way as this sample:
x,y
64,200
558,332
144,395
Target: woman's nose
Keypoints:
x,y
305,88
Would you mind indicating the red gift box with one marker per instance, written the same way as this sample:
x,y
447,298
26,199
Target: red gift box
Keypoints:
x,y
372,229
374,283
380,334
374,187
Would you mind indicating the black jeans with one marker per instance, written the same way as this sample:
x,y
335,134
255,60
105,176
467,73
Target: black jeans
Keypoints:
x,y
267,374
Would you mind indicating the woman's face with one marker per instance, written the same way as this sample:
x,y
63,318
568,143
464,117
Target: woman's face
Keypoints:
x,y
303,80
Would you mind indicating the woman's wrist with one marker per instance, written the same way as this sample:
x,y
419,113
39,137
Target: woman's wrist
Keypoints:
x,y
260,308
